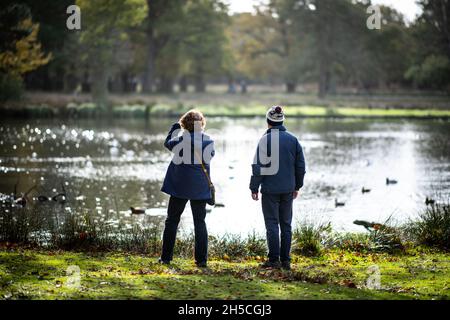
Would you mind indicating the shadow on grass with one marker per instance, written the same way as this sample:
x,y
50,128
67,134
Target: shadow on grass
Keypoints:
x,y
43,276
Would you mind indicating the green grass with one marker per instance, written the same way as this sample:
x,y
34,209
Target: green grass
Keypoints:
x,y
33,274
162,110
292,111
218,103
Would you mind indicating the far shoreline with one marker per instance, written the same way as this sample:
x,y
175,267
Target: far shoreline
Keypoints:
x,y
219,104
46,112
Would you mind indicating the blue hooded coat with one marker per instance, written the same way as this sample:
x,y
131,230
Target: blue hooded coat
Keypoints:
x,y
187,180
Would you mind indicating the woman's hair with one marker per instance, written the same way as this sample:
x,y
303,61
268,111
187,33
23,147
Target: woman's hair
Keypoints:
x,y
189,118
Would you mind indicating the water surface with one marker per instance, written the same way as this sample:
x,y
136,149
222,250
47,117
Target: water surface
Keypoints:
x,y
108,166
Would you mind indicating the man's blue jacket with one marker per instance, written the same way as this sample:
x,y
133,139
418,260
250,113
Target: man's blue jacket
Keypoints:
x,y
291,170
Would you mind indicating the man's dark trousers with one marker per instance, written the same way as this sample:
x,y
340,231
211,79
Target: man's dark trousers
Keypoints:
x,y
175,209
277,210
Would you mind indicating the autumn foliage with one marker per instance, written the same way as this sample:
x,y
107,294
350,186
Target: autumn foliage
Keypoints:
x,y
27,54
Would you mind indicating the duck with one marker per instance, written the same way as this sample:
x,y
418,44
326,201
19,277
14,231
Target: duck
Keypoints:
x,y
364,190
391,181
60,197
137,210
368,225
42,198
21,201
338,204
429,201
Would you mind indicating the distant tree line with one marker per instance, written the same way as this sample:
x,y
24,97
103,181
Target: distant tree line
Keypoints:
x,y
165,45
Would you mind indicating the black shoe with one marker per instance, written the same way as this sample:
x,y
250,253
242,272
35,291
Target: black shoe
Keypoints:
x,y
270,265
201,264
286,265
161,261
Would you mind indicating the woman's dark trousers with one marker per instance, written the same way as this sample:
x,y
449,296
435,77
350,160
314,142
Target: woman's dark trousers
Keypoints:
x,y
174,211
277,210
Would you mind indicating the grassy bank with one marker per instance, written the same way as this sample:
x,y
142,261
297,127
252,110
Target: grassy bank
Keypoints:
x,y
337,274
82,229
220,104
119,261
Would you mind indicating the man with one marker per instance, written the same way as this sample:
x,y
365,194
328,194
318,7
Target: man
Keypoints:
x,y
279,169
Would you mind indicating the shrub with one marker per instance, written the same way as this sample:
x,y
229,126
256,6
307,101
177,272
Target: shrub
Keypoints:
x,y
256,245
228,247
359,242
184,246
433,227
380,238
386,239
307,238
432,73
53,226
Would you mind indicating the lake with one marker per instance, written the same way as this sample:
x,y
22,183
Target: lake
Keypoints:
x,y
108,166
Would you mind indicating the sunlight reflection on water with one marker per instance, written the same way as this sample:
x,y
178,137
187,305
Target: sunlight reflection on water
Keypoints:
x,y
125,160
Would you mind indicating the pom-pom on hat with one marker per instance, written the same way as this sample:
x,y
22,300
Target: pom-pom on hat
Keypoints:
x,y
275,114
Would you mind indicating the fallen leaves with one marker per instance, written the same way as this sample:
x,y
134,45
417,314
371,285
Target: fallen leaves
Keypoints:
x,y
334,274
142,272
349,284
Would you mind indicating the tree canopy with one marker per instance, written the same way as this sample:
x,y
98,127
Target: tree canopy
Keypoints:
x,y
152,45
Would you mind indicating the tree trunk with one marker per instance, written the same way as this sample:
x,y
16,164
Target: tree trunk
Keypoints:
x,y
324,69
149,75
243,87
200,85
231,86
85,83
325,39
116,85
156,39
100,85
70,82
324,82
166,85
127,81
183,84
445,24
290,87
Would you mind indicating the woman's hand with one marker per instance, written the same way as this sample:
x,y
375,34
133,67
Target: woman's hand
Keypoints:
x,y
255,196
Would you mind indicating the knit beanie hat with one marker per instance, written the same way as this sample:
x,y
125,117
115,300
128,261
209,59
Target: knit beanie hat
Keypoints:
x,y
275,116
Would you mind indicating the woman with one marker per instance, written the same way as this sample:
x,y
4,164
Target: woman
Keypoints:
x,y
186,181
